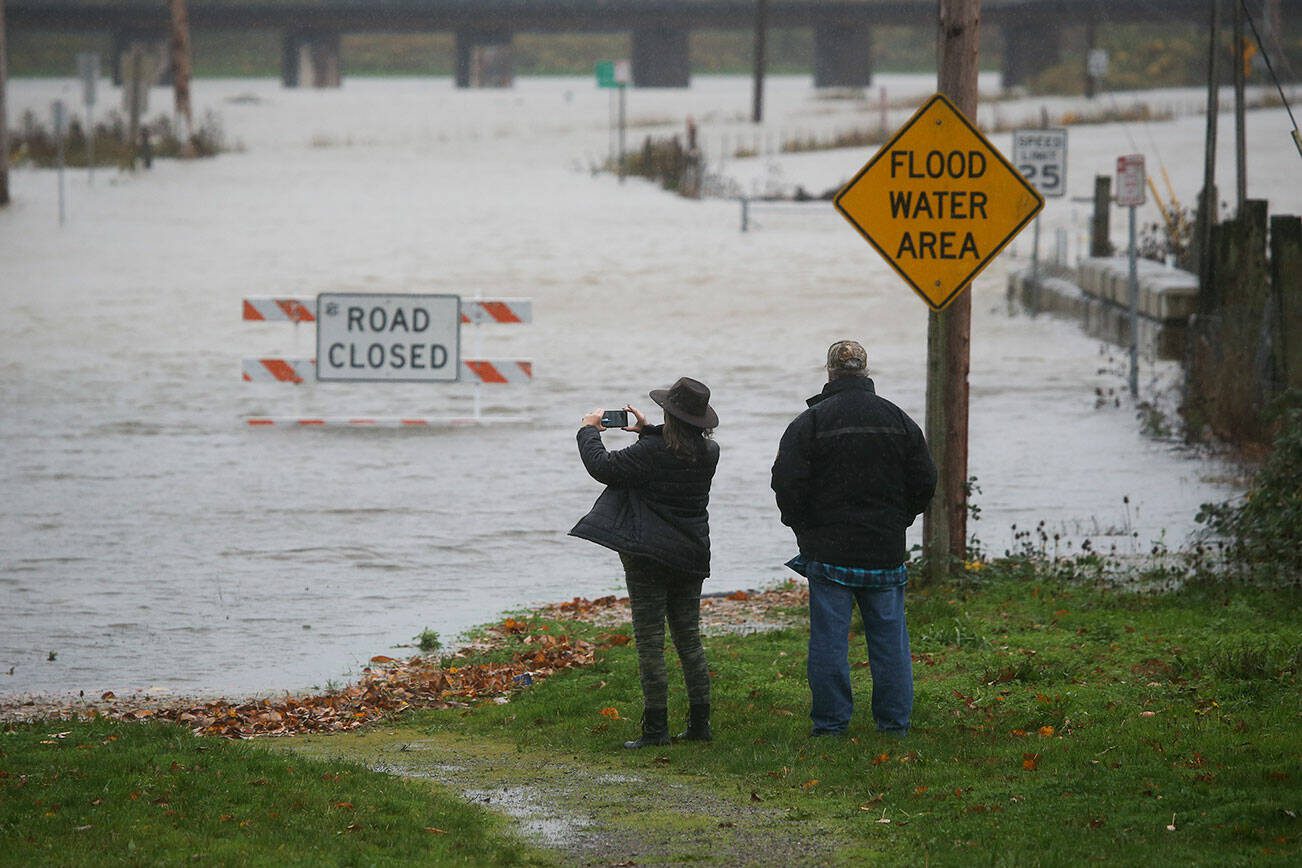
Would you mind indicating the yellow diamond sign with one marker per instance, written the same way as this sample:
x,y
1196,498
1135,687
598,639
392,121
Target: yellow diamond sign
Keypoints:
x,y
938,201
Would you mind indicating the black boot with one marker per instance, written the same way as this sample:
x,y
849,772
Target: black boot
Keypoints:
x,y
698,724
655,729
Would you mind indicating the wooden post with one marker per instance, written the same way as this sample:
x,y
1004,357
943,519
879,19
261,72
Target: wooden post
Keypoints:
x,y
1286,289
4,122
133,85
180,45
761,38
1207,200
949,331
1240,139
1100,242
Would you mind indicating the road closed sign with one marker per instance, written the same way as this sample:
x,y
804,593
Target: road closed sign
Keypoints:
x,y
365,337
938,201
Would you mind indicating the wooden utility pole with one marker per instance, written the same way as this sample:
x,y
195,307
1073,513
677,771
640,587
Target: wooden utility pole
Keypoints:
x,y
180,54
1207,211
761,40
1240,133
135,89
4,121
949,331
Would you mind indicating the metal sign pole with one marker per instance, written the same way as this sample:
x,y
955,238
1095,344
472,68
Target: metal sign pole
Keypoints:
x,y
58,138
1134,312
88,67
1130,194
475,351
622,89
1035,267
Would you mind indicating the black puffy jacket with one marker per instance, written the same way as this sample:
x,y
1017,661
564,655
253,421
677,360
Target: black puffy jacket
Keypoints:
x,y
852,473
654,504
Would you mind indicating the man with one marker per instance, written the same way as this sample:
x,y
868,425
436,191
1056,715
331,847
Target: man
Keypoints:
x,y
852,473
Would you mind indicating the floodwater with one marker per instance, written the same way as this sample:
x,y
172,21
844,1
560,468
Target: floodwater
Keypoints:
x,y
150,540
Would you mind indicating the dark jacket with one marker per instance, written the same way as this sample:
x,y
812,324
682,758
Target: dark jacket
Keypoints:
x,y
852,472
654,504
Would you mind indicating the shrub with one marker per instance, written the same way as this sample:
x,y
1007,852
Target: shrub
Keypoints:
x,y
1262,530
428,640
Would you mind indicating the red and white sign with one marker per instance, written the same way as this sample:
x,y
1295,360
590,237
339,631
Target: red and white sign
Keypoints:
x,y
1130,180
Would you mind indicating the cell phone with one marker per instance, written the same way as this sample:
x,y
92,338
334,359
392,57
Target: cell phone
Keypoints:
x,y
614,419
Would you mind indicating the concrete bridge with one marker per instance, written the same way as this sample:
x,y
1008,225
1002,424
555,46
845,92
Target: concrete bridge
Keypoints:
x,y
842,29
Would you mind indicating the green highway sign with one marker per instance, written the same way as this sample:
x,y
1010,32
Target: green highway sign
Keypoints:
x,y
612,73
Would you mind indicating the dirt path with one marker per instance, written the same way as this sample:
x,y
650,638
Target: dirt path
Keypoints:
x,y
592,815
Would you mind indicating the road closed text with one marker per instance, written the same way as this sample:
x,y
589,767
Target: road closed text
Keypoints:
x,y
388,337
375,355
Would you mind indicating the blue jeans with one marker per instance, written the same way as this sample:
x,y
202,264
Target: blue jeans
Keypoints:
x,y
830,608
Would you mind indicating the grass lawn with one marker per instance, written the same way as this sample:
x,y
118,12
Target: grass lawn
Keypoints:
x,y
128,793
1054,724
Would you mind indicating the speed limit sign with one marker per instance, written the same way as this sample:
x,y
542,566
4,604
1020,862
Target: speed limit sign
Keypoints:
x,y
1041,157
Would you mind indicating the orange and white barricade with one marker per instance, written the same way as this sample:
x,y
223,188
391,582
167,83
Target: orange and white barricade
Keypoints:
x,y
474,370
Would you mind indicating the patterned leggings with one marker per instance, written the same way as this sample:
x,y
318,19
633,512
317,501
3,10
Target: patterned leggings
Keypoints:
x,y
656,593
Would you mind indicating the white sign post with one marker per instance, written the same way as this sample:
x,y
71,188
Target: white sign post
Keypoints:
x,y
616,75
362,337
1130,194
1041,158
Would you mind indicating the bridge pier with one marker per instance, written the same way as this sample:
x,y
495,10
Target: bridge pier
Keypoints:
x,y
842,54
1029,49
661,57
485,58
154,42
311,58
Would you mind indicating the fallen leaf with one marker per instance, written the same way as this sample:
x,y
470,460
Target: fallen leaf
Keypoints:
x,y
919,790
881,758
1147,713
738,595
434,830
1046,731
347,806
1030,761
755,797
108,694
1171,826
809,784
612,712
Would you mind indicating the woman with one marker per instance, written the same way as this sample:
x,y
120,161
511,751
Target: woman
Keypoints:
x,y
653,512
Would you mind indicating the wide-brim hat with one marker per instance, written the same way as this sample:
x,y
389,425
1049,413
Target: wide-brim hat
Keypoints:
x,y
688,400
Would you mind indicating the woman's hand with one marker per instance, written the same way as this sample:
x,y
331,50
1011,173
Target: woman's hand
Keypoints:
x,y
594,419
637,426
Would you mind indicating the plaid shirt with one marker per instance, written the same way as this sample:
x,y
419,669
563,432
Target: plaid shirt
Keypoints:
x,y
851,577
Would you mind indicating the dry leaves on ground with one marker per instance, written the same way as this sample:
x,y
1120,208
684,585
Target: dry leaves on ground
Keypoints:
x,y
390,685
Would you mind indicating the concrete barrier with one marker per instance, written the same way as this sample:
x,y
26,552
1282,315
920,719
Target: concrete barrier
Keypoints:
x,y
1097,294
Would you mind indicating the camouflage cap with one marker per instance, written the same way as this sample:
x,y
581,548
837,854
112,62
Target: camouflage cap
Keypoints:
x,y
847,356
